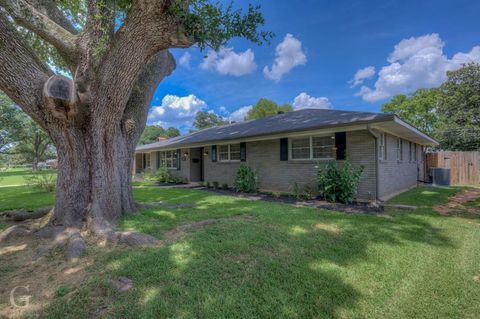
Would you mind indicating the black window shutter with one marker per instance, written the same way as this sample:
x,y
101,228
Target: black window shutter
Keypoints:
x,y
158,159
214,153
243,152
284,149
179,159
341,145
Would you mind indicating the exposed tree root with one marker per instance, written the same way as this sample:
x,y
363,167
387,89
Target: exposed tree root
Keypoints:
x,y
133,239
21,215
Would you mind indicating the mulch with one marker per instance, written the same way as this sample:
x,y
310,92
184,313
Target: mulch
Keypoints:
x,y
354,208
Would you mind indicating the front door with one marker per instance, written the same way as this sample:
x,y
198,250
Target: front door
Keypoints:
x,y
196,164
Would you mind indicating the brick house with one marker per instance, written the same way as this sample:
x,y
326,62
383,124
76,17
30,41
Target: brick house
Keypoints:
x,y
288,148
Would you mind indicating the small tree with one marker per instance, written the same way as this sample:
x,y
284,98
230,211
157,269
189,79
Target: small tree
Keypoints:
x,y
337,184
246,179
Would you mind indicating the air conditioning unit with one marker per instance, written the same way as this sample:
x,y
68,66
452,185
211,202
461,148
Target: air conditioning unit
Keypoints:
x,y
440,176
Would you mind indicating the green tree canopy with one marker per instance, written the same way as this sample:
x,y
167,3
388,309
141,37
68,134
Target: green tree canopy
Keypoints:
x,y
419,109
205,120
172,132
152,132
460,106
11,123
20,136
265,107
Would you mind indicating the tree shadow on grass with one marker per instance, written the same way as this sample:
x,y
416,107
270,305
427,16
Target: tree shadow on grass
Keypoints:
x,y
286,262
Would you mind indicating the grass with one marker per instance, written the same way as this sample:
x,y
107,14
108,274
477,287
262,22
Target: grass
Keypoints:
x,y
17,176
284,262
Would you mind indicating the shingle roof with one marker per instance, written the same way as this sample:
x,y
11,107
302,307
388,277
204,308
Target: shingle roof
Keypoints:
x,y
300,120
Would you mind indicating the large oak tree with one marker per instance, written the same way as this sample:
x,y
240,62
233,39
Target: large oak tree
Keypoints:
x,y
116,53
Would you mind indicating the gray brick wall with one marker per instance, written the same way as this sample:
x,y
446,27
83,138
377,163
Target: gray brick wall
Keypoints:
x,y
276,175
396,176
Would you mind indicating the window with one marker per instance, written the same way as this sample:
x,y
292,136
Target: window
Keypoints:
x,y
415,152
300,148
410,152
234,152
229,152
313,147
223,153
399,149
382,151
169,159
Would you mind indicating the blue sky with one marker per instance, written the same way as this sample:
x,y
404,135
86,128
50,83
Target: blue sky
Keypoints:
x,y
319,46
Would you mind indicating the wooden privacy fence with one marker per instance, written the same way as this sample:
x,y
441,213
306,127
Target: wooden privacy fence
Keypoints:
x,y
464,166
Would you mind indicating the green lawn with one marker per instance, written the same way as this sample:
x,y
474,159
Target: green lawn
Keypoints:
x,y
16,176
270,260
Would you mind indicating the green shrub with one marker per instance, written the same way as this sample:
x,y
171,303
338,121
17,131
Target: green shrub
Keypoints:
x,y
163,175
225,186
215,185
43,180
246,179
306,194
207,184
339,184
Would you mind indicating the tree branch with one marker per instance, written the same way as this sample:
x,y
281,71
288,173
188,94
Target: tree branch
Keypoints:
x,y
159,66
22,74
48,8
30,18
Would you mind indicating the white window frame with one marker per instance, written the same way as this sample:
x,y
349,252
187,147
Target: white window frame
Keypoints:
x,y
229,159
172,159
382,150
310,138
399,149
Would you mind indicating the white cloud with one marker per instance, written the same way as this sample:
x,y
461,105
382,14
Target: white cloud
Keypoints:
x,y
228,62
176,111
223,110
185,60
239,114
362,75
305,101
416,63
288,54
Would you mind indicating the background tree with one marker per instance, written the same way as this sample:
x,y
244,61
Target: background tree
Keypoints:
x,y
172,132
205,120
460,106
11,123
450,113
33,144
96,117
20,136
150,134
265,107
419,109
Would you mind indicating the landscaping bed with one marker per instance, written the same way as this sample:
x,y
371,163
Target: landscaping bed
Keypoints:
x,y
354,208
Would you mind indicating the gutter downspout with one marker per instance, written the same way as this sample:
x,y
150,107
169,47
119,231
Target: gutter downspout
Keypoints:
x,y
376,136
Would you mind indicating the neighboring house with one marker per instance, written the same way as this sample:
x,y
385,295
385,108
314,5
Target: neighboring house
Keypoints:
x,y
288,148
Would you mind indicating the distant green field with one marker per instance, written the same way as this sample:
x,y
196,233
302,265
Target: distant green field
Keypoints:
x,y
16,176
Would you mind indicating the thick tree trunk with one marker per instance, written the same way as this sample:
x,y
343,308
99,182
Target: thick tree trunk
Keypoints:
x,y
94,182
95,161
